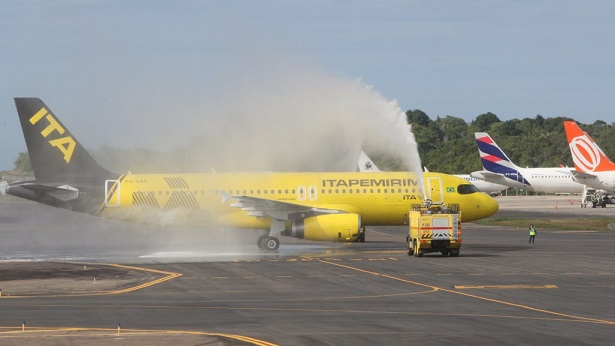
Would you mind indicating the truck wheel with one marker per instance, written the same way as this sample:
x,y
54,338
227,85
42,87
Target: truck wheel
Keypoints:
x,y
454,253
415,247
421,253
444,253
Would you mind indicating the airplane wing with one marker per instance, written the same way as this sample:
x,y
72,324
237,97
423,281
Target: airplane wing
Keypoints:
x,y
277,210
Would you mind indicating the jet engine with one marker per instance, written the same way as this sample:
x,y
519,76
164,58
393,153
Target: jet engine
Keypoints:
x,y
334,227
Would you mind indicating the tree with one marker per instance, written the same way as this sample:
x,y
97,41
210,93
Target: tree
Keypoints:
x,y
452,128
484,121
22,163
417,117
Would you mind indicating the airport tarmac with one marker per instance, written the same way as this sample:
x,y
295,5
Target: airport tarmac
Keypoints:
x,y
500,290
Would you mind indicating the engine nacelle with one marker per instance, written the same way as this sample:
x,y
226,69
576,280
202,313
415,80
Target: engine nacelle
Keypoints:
x,y
334,227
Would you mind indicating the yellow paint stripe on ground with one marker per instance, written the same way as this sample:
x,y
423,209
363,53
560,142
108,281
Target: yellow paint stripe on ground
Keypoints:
x,y
169,276
465,287
502,302
131,332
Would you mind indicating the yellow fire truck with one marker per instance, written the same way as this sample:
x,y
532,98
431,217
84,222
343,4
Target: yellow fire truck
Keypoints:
x,y
434,228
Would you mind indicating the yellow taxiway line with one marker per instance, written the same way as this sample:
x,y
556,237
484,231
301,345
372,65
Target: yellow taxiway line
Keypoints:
x,y
167,276
502,302
111,332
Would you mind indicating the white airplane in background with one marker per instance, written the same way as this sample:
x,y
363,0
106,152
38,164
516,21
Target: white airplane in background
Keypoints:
x,y
500,170
483,185
367,165
593,167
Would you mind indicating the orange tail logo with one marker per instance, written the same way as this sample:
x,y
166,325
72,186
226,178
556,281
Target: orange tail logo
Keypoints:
x,y
586,154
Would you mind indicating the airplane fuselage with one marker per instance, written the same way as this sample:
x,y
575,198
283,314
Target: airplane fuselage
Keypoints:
x,y
546,180
382,198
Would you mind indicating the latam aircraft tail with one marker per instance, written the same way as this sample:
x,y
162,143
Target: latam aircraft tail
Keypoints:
x,y
495,161
54,152
586,154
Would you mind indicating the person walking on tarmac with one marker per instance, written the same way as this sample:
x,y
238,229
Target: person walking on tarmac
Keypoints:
x,y
532,234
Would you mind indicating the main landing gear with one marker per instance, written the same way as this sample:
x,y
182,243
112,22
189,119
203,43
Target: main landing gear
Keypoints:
x,y
267,243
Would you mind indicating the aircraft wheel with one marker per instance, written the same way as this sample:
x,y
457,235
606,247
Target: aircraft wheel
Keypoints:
x,y
271,243
261,242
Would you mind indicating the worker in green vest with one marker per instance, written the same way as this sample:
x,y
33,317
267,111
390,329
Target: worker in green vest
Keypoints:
x,y
532,234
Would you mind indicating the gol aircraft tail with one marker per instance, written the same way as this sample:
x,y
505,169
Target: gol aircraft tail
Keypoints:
x,y
586,154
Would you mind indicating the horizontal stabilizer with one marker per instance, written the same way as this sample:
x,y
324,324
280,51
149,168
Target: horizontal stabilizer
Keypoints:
x,y
489,176
582,175
63,193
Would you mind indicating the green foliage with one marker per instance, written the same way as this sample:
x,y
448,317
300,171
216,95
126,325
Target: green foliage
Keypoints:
x,y
447,144
484,121
22,163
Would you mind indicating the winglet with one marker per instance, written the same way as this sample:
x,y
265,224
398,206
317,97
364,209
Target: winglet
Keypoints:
x,y
366,164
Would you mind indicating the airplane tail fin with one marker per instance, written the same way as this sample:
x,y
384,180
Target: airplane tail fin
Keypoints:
x,y
54,152
586,154
492,157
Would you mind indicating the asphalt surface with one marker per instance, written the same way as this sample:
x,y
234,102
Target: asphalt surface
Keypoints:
x,y
500,290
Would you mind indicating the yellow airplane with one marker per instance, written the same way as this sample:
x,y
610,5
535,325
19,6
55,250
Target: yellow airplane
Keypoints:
x,y
325,206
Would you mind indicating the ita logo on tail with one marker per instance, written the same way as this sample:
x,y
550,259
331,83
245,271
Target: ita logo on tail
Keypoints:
x,y
66,144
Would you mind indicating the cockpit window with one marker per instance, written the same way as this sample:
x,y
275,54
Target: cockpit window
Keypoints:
x,y
466,189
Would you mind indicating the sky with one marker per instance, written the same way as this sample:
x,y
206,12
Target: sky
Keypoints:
x,y
138,73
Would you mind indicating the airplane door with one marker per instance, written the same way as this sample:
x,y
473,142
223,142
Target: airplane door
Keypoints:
x,y
434,190
112,193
